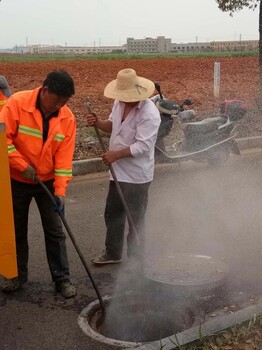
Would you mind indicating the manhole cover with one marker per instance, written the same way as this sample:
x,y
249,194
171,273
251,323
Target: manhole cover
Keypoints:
x,y
197,272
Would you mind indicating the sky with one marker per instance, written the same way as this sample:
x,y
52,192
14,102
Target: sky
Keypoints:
x,y
110,22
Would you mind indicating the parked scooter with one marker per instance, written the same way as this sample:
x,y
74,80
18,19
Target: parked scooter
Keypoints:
x,y
211,139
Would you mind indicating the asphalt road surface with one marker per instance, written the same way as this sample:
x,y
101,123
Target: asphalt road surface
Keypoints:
x,y
192,208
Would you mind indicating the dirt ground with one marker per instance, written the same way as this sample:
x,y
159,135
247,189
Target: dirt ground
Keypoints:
x,y
179,78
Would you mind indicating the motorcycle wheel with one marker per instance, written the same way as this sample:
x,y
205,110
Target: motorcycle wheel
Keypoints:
x,y
218,156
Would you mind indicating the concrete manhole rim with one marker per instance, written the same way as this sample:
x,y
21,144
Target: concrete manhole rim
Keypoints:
x,y
89,331
83,322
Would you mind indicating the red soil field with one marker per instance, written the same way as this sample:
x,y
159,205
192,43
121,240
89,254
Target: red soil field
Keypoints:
x,y
179,78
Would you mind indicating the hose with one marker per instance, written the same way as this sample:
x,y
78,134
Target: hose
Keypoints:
x,y
62,217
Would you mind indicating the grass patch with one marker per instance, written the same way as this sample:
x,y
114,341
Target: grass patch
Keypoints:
x,y
245,336
13,58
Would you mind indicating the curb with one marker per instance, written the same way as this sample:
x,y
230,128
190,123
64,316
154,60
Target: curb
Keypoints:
x,y
94,165
208,328
87,166
249,142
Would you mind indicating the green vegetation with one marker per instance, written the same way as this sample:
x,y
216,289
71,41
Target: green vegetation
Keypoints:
x,y
246,336
13,58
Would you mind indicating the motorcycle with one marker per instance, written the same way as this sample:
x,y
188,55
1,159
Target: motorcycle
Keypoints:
x,y
211,139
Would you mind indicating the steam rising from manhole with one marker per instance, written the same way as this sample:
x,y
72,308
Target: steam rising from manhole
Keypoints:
x,y
134,318
166,301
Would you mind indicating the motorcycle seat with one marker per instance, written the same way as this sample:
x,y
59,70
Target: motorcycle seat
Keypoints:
x,y
205,125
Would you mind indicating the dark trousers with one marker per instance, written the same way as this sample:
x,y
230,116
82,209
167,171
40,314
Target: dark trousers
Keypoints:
x,y
22,195
136,197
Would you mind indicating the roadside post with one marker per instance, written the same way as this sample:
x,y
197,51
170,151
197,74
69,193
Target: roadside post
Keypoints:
x,y
216,84
8,262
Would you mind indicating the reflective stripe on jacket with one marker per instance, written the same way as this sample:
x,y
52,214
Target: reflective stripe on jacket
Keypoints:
x,y
24,129
3,100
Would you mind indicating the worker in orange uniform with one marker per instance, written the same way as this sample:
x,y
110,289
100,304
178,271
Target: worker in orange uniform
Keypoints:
x,y
41,132
5,92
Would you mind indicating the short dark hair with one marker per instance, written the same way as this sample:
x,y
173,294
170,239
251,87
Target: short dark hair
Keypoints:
x,y
59,82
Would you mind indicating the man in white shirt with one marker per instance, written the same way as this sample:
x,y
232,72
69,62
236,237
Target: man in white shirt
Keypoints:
x,y
133,124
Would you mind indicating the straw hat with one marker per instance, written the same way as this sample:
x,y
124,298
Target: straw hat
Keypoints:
x,y
128,87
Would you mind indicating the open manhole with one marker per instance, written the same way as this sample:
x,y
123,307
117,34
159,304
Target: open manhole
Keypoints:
x,y
134,318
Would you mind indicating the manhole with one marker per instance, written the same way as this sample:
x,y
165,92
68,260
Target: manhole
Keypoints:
x,y
133,319
186,273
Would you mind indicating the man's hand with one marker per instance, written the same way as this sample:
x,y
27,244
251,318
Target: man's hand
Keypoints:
x,y
111,156
60,204
91,119
29,173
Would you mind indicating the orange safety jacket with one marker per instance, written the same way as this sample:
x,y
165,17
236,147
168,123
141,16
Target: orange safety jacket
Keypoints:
x,y
3,100
24,131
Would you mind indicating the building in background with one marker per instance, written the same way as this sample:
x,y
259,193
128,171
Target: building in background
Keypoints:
x,y
240,45
148,45
191,47
140,46
74,50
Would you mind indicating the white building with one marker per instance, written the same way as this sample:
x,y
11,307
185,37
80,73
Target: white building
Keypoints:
x,y
77,50
235,45
148,45
189,47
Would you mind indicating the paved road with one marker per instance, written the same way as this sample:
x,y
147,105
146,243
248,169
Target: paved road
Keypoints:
x,y
193,208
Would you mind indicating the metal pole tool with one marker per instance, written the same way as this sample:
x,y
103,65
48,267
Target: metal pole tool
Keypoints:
x,y
73,241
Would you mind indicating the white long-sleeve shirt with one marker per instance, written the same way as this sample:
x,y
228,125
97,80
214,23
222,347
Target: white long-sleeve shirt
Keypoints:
x,y
139,132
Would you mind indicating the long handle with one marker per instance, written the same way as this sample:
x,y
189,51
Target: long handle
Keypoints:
x,y
73,241
119,190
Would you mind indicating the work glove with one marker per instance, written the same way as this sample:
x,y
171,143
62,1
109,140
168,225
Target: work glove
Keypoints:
x,y
60,204
29,173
